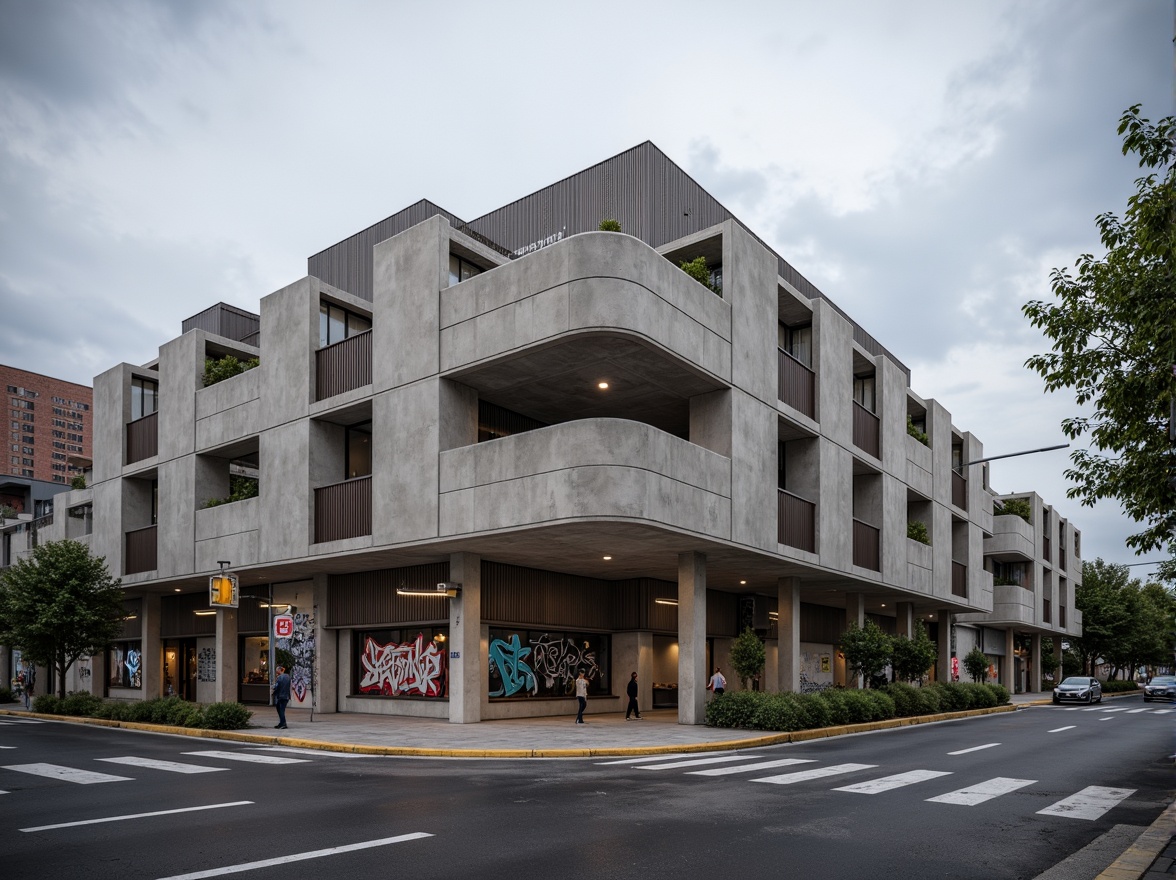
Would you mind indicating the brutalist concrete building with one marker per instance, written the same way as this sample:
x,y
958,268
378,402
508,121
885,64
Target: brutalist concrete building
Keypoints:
x,y
475,458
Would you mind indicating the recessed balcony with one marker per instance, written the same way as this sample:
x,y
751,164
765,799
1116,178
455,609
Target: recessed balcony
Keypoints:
x,y
797,384
343,510
866,433
140,550
143,438
343,366
867,546
796,521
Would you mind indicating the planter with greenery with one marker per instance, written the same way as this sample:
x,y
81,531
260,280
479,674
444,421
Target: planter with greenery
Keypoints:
x,y
917,531
240,488
700,272
610,225
1012,507
921,436
225,368
78,482
171,711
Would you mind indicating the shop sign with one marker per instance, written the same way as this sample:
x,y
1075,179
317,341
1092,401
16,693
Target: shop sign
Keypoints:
x,y
283,626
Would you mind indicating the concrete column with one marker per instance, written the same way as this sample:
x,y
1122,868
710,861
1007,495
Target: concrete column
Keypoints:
x,y
943,663
788,635
855,612
152,642
6,670
1035,666
467,682
692,638
99,673
905,619
633,652
227,673
326,653
1009,665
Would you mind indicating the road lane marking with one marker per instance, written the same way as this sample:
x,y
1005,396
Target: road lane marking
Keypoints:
x,y
1137,711
298,857
1093,709
1090,803
889,783
297,751
747,768
645,759
696,762
1060,729
816,773
1107,719
66,774
153,764
985,791
136,816
1120,709
1162,711
974,749
245,756
7,747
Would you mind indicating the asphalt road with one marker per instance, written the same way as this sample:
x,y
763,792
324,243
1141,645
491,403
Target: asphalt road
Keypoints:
x,y
1021,792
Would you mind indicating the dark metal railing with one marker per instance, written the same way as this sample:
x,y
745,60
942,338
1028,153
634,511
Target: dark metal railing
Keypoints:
x,y
343,365
141,550
343,510
796,521
142,438
959,579
959,491
797,384
866,546
865,431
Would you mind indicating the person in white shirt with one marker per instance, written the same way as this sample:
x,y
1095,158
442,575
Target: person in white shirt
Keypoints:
x,y
717,683
581,696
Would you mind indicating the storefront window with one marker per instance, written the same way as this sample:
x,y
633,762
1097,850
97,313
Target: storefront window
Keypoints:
x,y
537,663
402,662
255,660
125,662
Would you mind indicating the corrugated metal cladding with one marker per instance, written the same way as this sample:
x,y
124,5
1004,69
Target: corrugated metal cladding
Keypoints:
x,y
821,624
369,598
178,617
132,625
225,320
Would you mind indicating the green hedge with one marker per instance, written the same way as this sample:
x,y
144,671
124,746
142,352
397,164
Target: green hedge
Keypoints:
x,y
1118,687
7,696
164,710
756,710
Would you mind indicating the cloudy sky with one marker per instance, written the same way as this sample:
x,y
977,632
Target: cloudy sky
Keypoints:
x,y
924,163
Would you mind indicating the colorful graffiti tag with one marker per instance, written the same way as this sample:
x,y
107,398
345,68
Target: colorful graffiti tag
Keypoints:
x,y
508,665
547,665
416,667
301,648
133,663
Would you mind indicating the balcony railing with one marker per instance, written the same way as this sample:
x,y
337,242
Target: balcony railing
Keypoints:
x,y
865,431
959,491
866,546
959,579
342,366
796,521
142,438
1062,616
1046,611
343,510
796,385
141,552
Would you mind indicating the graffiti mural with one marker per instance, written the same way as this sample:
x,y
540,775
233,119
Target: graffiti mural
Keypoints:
x,y
300,646
206,664
134,667
816,671
417,668
547,664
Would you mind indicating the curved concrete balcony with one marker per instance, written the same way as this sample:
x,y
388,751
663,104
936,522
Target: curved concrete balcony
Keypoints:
x,y
594,469
919,467
1012,540
228,410
227,531
1012,604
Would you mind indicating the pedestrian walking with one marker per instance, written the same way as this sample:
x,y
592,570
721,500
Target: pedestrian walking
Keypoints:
x,y
30,682
631,690
581,696
281,696
717,683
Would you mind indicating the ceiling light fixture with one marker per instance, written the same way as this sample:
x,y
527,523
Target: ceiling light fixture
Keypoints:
x,y
665,601
204,613
401,591
743,582
606,558
603,386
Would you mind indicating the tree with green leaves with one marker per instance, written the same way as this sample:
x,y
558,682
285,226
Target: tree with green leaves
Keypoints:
x,y
911,658
59,604
1106,619
747,656
1114,344
976,664
867,650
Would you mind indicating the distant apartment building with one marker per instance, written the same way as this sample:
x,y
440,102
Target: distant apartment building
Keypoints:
x,y
49,422
478,457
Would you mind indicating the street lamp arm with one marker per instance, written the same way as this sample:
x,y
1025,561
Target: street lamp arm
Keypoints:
x,y
1012,455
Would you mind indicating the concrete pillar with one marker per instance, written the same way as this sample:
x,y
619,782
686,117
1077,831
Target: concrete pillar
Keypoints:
x,y
943,663
633,652
227,673
1009,664
326,652
1035,666
788,635
6,671
855,612
152,642
905,619
99,673
692,671
467,683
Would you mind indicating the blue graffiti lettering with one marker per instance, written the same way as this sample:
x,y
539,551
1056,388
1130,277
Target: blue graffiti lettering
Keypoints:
x,y
513,673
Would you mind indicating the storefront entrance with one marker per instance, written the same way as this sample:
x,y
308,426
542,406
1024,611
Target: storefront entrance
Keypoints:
x,y
179,668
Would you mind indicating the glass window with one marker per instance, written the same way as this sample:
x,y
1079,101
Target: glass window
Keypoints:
x,y
863,392
255,660
537,663
124,663
798,342
462,270
144,397
402,662
337,323
359,450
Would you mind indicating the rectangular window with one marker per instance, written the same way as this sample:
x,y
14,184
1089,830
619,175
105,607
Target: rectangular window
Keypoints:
x,y
359,450
125,662
402,662
798,342
337,323
144,397
539,663
863,392
462,270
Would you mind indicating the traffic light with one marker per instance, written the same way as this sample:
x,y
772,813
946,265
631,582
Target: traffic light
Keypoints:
x,y
222,590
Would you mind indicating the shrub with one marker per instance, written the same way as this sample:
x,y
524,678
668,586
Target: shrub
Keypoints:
x,y
747,656
79,703
906,699
699,271
228,716
78,482
47,704
917,531
812,711
227,367
931,699
6,695
921,436
857,707
776,713
1118,687
610,225
976,665
978,695
733,709
1000,692
952,696
1012,507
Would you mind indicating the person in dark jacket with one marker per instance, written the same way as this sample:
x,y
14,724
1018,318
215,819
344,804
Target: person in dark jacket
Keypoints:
x,y
631,690
281,696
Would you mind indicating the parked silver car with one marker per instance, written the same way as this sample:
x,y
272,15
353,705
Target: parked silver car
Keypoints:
x,y
1078,689
1161,687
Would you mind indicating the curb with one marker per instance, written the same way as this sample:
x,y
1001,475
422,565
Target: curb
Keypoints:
x,y
607,752
1135,862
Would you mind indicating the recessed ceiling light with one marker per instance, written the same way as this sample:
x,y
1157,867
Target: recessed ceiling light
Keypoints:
x,y
883,604
603,386
743,582
177,589
606,558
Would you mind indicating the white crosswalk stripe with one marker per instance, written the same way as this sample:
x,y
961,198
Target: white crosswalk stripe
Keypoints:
x,y
815,773
66,774
246,756
748,768
889,783
1162,711
170,766
645,759
1119,709
985,791
696,762
1090,803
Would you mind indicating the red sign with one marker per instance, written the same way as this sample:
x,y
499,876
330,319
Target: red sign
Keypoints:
x,y
955,668
283,626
